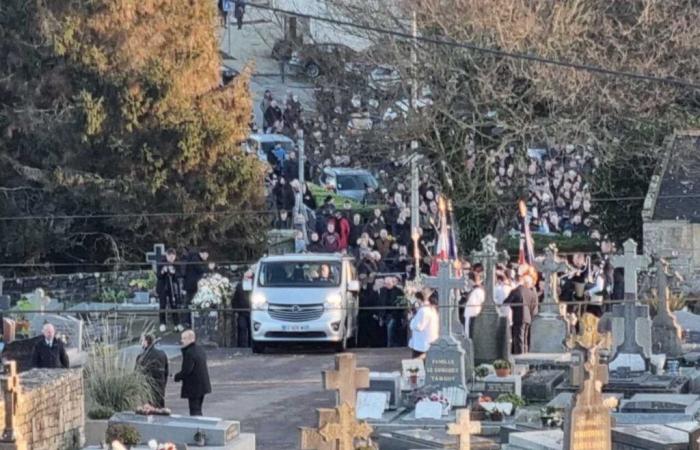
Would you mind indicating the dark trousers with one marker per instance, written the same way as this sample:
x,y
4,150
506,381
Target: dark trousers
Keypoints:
x,y
243,332
195,404
168,301
521,338
159,394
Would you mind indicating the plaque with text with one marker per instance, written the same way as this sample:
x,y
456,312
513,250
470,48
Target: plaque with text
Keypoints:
x,y
444,364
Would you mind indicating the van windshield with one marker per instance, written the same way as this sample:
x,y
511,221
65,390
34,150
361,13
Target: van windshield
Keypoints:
x,y
300,274
355,182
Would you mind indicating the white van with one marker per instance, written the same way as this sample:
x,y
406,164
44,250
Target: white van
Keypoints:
x,y
303,297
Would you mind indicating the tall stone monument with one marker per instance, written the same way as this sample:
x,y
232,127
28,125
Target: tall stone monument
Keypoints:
x,y
588,424
549,328
445,361
665,331
490,330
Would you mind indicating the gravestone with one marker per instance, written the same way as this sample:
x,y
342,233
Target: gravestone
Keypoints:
x,y
11,438
177,428
5,300
577,371
427,409
540,385
658,408
463,428
588,424
445,360
690,326
490,330
649,437
495,386
346,379
665,331
431,438
631,263
154,257
338,429
386,382
21,352
536,440
549,328
371,405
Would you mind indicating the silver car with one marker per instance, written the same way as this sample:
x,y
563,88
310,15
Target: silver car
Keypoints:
x,y
351,183
303,298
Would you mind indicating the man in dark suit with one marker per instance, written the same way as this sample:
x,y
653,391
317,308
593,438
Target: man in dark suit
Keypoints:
x,y
194,374
524,305
49,352
154,363
168,274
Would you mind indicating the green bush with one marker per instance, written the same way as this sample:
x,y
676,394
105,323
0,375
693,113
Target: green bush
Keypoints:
x,y
126,434
99,412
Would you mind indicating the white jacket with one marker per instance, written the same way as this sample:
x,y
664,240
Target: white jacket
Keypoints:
x,y
473,306
425,328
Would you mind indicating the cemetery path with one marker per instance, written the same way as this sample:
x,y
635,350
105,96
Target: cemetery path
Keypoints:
x,y
274,394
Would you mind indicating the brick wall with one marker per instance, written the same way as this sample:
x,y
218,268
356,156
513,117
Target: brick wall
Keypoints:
x,y
51,409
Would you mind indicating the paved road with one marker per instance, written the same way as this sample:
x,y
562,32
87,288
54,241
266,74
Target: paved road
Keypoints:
x,y
274,394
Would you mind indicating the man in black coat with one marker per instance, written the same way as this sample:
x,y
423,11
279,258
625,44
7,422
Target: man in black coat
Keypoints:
x,y
194,374
168,275
154,363
49,352
524,307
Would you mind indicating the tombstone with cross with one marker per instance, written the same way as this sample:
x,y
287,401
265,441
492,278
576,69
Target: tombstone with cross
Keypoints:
x,y
665,331
338,429
445,360
463,428
490,330
631,263
549,328
11,439
346,379
155,256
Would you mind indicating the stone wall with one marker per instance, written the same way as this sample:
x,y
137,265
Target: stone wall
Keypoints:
x,y
73,288
51,409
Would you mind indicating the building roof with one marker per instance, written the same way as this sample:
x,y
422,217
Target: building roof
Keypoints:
x,y
674,193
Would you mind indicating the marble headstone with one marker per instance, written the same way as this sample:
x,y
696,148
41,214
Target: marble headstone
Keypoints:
x,y
549,328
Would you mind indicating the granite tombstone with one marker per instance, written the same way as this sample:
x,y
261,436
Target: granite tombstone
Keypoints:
x,y
549,328
665,331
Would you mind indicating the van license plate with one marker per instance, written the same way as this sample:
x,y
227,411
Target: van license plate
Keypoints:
x,y
295,327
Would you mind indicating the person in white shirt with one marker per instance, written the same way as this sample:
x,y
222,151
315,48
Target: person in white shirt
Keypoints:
x,y
425,326
500,293
597,292
475,300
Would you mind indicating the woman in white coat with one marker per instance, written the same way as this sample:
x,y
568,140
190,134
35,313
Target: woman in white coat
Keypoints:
x,y
425,326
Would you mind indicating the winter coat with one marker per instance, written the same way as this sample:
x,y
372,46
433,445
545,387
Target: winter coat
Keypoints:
x,y
195,270
54,357
194,374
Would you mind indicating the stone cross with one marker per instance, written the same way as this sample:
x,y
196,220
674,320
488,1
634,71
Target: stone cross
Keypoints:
x,y
11,390
311,439
464,428
631,262
155,256
488,256
346,429
346,379
666,333
550,268
444,284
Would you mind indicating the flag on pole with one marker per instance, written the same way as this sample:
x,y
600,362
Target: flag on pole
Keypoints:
x,y
526,254
442,246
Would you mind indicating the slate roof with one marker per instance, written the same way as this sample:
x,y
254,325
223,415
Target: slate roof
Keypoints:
x,y
676,194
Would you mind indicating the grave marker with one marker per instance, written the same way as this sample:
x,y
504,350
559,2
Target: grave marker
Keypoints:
x,y
490,330
444,363
311,439
155,256
11,439
549,328
665,331
346,379
339,431
631,263
177,428
463,429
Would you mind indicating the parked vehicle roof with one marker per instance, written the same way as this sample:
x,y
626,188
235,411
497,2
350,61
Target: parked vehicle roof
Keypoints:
x,y
306,257
270,137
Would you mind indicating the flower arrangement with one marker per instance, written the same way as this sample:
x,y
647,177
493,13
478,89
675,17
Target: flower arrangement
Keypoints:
x,y
150,410
211,291
502,367
155,445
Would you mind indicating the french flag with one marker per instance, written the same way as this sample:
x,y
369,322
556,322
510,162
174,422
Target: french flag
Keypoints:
x,y
526,253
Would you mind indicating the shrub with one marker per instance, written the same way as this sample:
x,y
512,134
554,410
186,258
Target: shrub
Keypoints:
x,y
99,412
126,434
501,364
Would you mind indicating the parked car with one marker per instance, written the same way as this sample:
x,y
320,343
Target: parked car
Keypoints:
x,y
316,59
303,298
263,144
351,183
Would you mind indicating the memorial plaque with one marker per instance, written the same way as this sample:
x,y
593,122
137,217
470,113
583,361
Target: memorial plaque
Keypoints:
x,y
540,385
444,364
495,385
386,382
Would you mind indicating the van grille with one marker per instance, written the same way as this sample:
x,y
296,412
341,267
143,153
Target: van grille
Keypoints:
x,y
295,313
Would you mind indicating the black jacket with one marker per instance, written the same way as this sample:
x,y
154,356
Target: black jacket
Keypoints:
x,y
167,283
194,373
154,363
525,312
45,357
195,270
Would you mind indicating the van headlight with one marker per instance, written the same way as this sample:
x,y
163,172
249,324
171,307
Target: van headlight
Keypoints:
x,y
258,301
333,301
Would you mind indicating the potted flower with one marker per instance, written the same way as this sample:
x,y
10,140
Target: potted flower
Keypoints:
x,y
413,376
124,434
502,367
481,372
551,417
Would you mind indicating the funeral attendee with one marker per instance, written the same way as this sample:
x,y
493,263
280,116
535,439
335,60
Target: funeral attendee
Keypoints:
x,y
241,305
330,241
474,301
197,266
598,292
168,275
314,244
49,352
501,291
425,326
524,306
390,297
194,374
154,363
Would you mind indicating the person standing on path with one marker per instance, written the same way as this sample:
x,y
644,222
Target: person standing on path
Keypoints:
x,y
524,306
168,276
425,326
194,374
154,363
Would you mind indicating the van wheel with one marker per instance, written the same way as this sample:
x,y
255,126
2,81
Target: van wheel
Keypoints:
x,y
257,347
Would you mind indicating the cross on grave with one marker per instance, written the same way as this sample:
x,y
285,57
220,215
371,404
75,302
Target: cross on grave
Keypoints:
x,y
346,379
311,439
11,440
156,255
549,328
444,284
345,429
631,263
666,333
550,268
464,428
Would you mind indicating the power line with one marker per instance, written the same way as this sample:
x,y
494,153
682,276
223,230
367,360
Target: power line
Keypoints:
x,y
491,51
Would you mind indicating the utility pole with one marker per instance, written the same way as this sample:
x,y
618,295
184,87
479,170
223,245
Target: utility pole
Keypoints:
x,y
415,220
414,62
